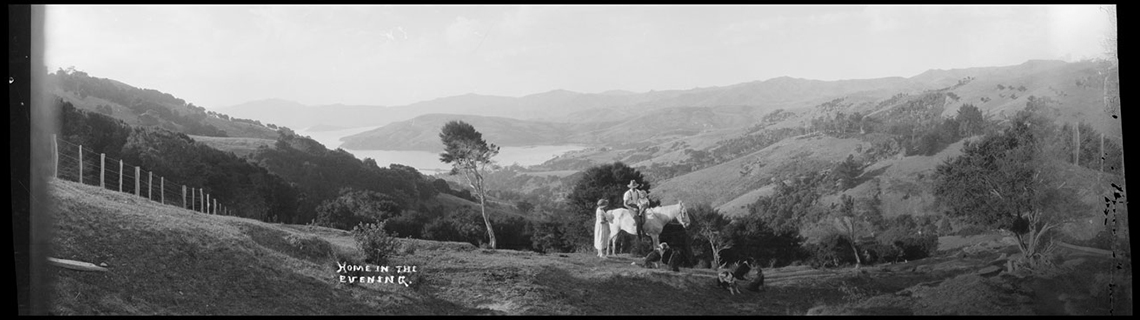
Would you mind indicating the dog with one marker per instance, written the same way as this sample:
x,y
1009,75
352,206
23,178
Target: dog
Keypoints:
x,y
728,275
757,283
741,269
662,254
725,279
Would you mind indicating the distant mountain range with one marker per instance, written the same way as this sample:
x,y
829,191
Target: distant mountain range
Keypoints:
x,y
569,106
617,118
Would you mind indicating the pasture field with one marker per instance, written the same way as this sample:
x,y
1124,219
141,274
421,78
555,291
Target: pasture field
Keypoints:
x,y
165,260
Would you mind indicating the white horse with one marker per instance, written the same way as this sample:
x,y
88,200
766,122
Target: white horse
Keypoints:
x,y
622,219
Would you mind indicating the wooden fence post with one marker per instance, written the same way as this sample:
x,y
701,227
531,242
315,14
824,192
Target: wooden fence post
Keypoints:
x,y
215,205
137,170
149,185
55,156
102,170
1077,133
201,200
80,164
120,175
1102,156
207,204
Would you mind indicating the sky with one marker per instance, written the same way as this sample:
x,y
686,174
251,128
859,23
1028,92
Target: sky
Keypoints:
x,y
222,55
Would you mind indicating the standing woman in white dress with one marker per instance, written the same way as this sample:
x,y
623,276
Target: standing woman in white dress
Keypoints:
x,y
601,228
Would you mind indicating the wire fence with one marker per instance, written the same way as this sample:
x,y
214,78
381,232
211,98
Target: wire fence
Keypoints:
x,y
75,163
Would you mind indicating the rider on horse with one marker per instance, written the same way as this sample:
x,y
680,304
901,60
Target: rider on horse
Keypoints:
x,y
637,201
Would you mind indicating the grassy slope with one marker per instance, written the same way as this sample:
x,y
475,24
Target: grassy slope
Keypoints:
x,y
232,128
242,129
89,103
905,184
495,209
239,146
726,182
166,260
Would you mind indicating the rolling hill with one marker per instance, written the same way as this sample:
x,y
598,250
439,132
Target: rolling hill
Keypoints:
x,y
786,159
149,107
422,133
997,91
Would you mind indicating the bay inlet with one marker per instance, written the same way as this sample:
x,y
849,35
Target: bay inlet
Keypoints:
x,y
428,162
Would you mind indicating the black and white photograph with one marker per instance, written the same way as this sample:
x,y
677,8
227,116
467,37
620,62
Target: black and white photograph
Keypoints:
x,y
576,160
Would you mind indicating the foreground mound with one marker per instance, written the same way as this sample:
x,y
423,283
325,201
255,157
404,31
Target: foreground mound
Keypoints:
x,y
167,260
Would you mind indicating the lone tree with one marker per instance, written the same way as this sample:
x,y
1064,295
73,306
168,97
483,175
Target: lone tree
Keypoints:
x,y
467,152
970,120
847,172
710,228
847,223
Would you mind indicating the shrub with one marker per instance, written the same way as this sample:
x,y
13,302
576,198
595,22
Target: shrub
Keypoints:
x,y
454,229
411,224
560,233
512,233
832,250
375,243
881,253
753,239
854,293
546,237
354,207
409,247
971,230
917,246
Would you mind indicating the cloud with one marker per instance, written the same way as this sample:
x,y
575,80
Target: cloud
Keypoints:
x,y
394,35
464,34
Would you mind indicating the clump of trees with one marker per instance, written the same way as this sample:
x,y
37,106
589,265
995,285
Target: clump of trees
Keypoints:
x,y
1008,181
354,207
792,205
